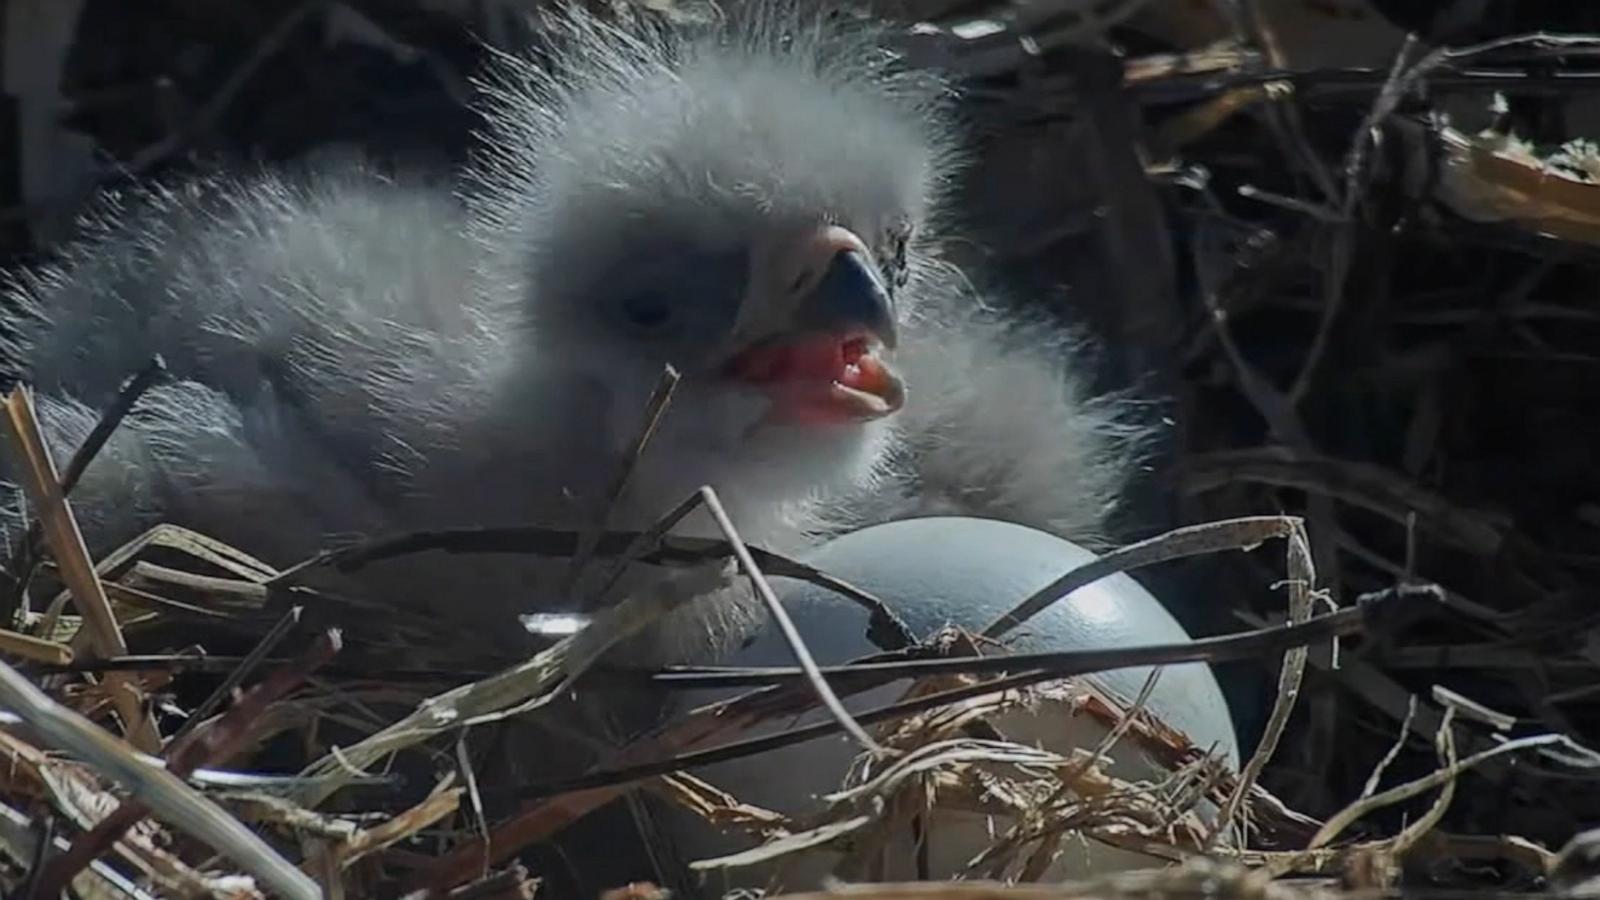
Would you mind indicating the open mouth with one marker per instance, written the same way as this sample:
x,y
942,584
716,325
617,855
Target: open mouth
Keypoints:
x,y
820,379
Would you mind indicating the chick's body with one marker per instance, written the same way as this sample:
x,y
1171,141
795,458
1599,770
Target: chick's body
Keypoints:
x,y
353,355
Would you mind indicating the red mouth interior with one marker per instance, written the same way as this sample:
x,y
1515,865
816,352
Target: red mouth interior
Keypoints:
x,y
820,378
813,358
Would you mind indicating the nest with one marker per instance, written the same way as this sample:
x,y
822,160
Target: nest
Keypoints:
x,y
1361,264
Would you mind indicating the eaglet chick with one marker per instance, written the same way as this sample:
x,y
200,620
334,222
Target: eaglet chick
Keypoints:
x,y
757,202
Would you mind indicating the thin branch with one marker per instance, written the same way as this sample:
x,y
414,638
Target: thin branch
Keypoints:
x,y
166,794
655,408
647,542
1388,759
43,488
888,630
1240,646
246,667
217,742
1300,579
791,634
1191,540
32,547
868,673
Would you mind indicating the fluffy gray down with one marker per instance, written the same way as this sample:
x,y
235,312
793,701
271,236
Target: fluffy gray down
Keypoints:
x,y
354,355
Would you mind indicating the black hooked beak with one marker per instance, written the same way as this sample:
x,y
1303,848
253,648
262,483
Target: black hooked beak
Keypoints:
x,y
840,288
851,297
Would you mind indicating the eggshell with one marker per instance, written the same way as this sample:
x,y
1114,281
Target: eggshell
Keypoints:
x,y
959,571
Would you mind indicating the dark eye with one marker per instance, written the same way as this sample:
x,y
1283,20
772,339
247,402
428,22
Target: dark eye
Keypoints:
x,y
647,310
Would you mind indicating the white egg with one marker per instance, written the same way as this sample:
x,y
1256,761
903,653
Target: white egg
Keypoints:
x,y
936,572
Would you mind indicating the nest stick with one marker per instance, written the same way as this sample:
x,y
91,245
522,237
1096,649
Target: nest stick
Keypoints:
x,y
1235,646
660,398
515,690
874,671
173,801
1191,540
184,756
22,836
33,542
647,541
652,546
791,634
257,655
43,486
1301,576
554,806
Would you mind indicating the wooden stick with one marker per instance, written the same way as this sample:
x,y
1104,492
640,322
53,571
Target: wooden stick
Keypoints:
x,y
42,484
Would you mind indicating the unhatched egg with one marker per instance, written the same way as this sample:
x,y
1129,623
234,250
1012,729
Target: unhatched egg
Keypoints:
x,y
936,572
